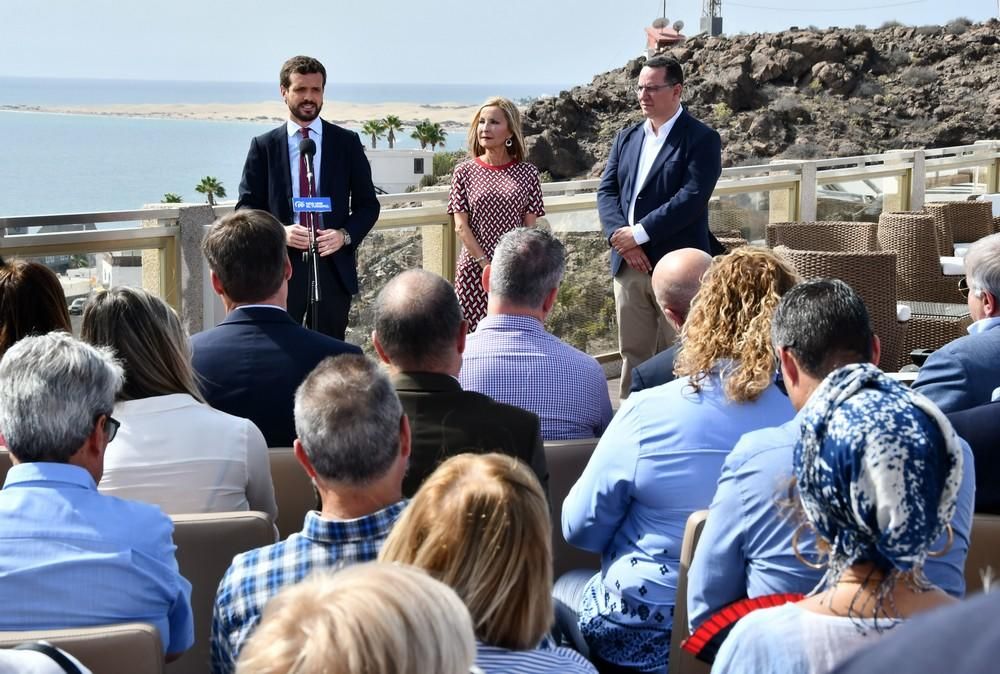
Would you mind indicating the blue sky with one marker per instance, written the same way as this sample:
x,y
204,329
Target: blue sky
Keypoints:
x,y
384,41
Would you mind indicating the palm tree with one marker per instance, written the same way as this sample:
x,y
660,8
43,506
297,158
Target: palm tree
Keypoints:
x,y
392,123
211,188
427,133
437,135
171,198
375,128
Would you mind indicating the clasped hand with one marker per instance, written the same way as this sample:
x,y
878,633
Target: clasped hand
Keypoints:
x,y
328,241
623,242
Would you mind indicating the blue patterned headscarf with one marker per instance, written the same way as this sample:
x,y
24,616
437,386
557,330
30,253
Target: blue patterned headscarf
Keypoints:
x,y
878,468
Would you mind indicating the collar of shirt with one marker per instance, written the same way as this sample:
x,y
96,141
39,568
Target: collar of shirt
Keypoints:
x,y
334,532
664,131
510,322
41,471
984,324
315,130
153,404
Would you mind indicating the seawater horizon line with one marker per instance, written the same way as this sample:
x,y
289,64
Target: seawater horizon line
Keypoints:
x,y
269,83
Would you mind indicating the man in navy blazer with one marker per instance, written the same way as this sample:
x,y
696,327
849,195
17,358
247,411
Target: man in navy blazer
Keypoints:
x,y
980,427
272,177
653,198
965,372
251,364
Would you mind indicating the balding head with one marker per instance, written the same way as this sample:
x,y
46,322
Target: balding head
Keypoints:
x,y
676,280
418,324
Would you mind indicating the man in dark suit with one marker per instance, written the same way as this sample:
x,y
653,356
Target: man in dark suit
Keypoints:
x,y
965,373
980,427
420,333
653,198
251,363
676,280
274,174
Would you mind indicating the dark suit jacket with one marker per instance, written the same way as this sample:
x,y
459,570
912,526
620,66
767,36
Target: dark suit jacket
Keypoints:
x,y
963,373
345,177
446,420
250,365
980,427
657,370
673,202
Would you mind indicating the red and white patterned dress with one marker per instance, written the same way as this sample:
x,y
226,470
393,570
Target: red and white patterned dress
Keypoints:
x,y
496,198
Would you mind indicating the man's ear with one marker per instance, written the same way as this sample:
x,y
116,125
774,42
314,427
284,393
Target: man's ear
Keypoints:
x,y
674,318
216,283
300,456
404,436
463,331
876,349
378,348
486,278
789,368
550,300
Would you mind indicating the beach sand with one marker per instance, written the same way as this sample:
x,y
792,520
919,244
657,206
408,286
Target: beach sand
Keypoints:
x,y
352,114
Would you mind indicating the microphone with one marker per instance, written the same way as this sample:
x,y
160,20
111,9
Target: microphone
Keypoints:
x,y
307,148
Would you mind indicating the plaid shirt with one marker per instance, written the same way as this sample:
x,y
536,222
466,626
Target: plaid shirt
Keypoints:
x,y
513,360
256,576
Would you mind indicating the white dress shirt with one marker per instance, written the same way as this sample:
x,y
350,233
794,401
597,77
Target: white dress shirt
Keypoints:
x,y
651,146
186,457
294,138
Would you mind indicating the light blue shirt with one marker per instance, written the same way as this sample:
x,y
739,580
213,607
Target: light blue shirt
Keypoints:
x,y
72,557
745,549
984,324
658,462
497,660
294,132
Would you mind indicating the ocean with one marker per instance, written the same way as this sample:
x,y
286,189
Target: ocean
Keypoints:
x,y
54,163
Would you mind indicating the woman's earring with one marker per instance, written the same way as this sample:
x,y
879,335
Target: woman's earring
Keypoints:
x,y
509,143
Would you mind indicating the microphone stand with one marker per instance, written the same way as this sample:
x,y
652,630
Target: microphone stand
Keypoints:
x,y
311,256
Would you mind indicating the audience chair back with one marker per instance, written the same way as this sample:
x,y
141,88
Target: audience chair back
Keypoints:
x,y
5,464
566,460
682,662
996,225
913,237
961,221
984,553
723,221
873,277
293,491
206,545
126,648
824,235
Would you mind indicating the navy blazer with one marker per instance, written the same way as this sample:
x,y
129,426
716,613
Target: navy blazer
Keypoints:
x,y
657,370
963,373
250,365
673,201
980,427
345,176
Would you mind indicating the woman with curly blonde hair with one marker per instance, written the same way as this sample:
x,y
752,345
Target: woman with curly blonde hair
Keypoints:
x,y
660,459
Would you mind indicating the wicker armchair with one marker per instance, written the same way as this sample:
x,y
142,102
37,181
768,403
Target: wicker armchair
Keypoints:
x,y
829,236
724,220
731,242
872,274
996,225
913,237
960,221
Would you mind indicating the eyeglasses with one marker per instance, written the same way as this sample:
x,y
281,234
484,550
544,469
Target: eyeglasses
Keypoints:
x,y
652,88
965,288
111,426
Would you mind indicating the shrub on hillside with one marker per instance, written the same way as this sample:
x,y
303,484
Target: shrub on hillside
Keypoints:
x,y
917,76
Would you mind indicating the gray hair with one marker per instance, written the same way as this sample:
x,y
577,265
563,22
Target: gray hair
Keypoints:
x,y
347,418
528,262
982,264
417,318
52,390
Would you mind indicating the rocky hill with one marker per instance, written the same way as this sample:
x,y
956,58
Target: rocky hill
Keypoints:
x,y
797,94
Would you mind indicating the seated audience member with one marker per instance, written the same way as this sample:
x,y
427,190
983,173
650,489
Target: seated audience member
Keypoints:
x,y
172,449
877,473
480,523
980,427
512,359
420,334
250,364
965,372
354,442
372,617
660,458
964,638
676,279
70,556
31,302
745,549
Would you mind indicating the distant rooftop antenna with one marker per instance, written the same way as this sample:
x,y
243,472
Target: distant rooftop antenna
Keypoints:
x,y
711,17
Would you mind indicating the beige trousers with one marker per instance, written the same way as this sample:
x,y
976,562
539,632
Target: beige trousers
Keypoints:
x,y
643,330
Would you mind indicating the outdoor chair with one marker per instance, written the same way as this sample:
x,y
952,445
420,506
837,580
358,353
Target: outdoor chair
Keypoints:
x,y
293,491
919,275
960,221
124,648
824,236
872,274
682,662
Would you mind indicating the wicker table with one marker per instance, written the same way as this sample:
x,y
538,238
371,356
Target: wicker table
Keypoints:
x,y
934,324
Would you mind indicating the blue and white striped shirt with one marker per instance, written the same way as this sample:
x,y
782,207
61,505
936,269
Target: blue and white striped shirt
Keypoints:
x,y
496,660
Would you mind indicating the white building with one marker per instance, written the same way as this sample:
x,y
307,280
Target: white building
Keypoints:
x,y
395,170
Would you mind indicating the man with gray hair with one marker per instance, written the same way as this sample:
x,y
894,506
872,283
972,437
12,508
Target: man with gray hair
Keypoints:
x,y
676,280
69,555
354,443
420,334
965,373
512,359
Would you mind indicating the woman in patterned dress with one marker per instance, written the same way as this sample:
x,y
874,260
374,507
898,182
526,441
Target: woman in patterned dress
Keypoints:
x,y
491,194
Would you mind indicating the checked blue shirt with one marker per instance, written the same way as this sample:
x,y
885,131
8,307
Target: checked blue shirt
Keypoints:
x,y
256,576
